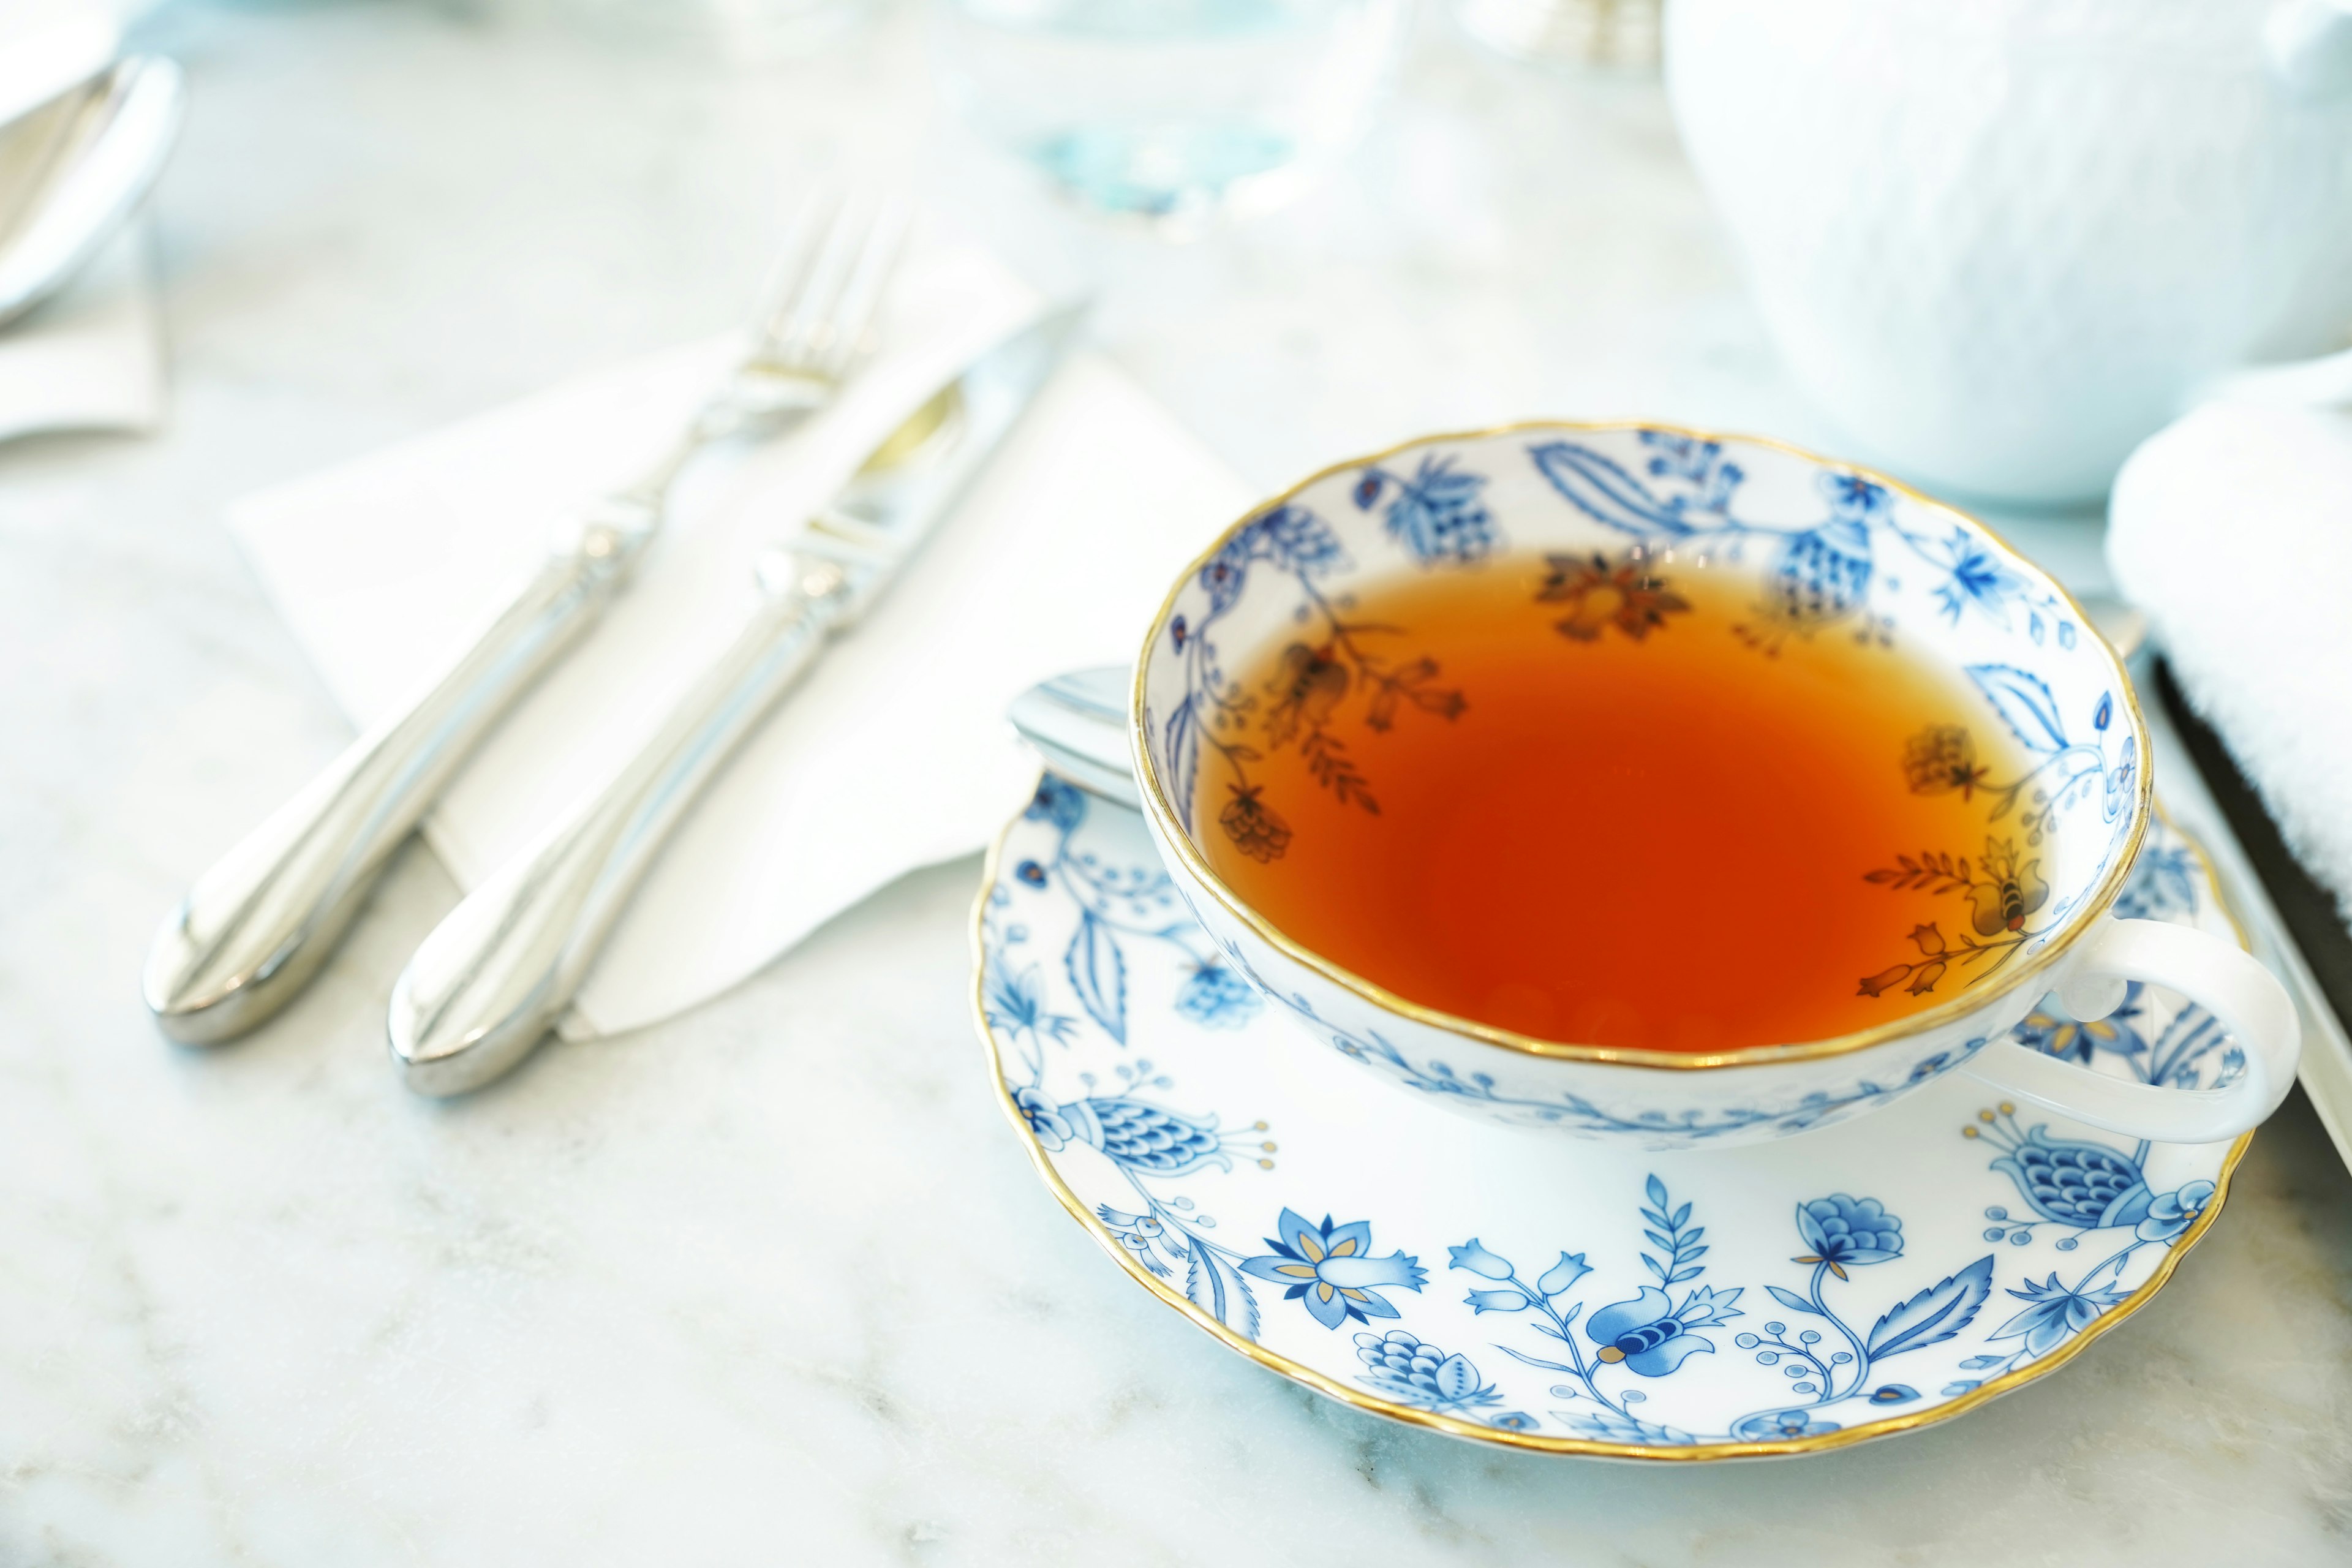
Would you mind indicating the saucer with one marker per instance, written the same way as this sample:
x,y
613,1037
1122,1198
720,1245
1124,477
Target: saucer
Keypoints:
x,y
1545,1293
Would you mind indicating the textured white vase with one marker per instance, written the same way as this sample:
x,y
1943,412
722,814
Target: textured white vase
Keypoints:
x,y
2001,242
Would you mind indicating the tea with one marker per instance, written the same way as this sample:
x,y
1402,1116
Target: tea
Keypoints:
x,y
1604,800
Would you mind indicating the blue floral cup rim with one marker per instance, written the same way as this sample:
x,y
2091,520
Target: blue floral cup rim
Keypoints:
x,y
2038,965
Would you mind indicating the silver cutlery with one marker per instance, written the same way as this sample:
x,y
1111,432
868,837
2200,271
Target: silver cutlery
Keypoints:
x,y
496,975
1077,724
256,925
73,169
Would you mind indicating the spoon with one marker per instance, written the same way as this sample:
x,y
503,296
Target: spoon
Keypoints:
x,y
73,169
1077,722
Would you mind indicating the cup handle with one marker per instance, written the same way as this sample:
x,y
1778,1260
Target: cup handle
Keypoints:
x,y
2223,978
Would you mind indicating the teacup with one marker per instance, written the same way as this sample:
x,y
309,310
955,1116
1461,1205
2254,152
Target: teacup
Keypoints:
x,y
1838,549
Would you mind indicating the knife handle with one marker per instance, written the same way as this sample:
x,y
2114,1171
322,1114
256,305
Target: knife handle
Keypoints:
x,y
496,975
256,926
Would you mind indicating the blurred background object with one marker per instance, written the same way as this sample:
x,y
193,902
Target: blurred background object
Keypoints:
x,y
2000,243
737,31
1622,34
1168,111
83,136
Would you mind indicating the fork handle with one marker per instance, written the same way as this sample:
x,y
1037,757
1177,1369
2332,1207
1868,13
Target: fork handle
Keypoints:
x,y
495,975
256,926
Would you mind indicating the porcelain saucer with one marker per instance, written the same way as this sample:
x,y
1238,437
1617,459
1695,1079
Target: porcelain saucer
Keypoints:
x,y
1544,1293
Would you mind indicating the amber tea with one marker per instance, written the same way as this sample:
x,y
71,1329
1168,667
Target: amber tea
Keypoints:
x,y
1605,800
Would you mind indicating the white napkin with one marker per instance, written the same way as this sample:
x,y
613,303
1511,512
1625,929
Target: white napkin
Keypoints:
x,y
92,357
2232,528
893,755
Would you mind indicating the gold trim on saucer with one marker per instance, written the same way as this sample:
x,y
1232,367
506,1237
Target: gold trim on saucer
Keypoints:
x,y
1453,1426
1163,815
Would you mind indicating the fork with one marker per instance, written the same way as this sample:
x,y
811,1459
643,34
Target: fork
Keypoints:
x,y
255,928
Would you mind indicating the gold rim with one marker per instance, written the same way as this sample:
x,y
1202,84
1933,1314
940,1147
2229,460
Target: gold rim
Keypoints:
x,y
1163,816
1453,1426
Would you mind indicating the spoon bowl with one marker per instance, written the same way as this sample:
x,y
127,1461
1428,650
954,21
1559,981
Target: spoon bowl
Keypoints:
x,y
74,169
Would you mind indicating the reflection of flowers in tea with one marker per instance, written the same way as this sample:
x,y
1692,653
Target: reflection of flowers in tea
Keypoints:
x,y
1940,759
1627,595
1304,694
1256,830
2002,895
1309,685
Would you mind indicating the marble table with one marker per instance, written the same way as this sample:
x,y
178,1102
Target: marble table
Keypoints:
x,y
772,1283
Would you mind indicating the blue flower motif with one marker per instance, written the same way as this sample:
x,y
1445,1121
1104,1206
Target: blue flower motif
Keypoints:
x,y
2068,1039
1031,872
1139,1233
2162,880
1329,1269
1215,997
1514,1421
1773,1425
1473,1256
1645,1334
2059,1312
1291,537
1422,1376
1852,496
1496,1302
1894,1394
1564,1273
1058,802
2173,1213
1178,630
1017,1005
2087,1186
1046,1123
1843,1230
2120,780
1439,514
1975,575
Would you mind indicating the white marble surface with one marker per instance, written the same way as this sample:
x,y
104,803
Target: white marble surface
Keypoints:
x,y
772,1283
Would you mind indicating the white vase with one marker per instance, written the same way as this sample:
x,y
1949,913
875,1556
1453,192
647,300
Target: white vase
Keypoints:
x,y
2002,241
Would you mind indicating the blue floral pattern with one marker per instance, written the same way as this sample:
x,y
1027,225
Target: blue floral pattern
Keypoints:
x,y
1330,1269
1630,1334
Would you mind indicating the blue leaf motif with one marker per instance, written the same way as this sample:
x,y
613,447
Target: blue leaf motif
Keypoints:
x,y
1099,973
1183,753
2025,703
1794,1302
1935,1314
1603,490
1212,1285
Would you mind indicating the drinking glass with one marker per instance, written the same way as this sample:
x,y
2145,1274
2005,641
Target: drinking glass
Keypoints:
x,y
1167,110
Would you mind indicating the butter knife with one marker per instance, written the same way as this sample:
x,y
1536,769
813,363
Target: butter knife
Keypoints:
x,y
497,974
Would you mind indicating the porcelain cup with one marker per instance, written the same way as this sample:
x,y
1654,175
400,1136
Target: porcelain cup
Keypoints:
x,y
2000,243
1836,550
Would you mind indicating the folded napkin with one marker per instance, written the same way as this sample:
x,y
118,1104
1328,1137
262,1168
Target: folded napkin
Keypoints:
x,y
2232,528
92,357
893,755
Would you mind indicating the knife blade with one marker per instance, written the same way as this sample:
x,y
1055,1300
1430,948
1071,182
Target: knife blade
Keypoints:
x,y
495,975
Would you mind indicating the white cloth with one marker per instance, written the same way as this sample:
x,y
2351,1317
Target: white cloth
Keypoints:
x,y
2232,528
91,356
893,755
